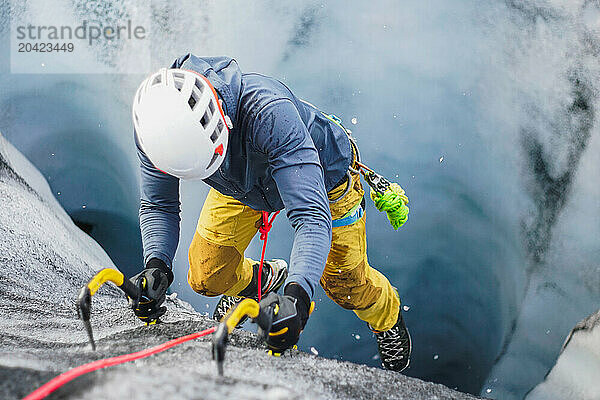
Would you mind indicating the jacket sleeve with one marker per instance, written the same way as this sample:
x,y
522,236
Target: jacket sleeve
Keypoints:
x,y
280,133
159,211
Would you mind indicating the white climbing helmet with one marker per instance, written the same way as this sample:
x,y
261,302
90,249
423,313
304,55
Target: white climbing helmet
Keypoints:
x,y
180,124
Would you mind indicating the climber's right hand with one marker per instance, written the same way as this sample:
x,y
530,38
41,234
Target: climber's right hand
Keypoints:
x,y
153,282
290,314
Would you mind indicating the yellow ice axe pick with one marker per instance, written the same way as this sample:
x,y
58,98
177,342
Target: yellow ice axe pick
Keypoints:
x,y
84,301
247,307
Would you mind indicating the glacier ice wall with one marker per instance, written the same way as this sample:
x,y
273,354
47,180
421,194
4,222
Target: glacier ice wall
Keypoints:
x,y
79,147
485,113
575,375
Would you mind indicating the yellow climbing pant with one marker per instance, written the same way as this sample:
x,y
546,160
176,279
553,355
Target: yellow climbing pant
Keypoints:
x,y
226,227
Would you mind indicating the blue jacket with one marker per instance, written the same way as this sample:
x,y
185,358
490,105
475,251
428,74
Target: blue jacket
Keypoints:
x,y
282,153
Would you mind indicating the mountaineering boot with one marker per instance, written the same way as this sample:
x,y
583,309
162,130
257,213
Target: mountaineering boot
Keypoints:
x,y
273,275
394,346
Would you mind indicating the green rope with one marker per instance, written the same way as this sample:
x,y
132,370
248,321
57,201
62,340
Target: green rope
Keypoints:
x,y
393,202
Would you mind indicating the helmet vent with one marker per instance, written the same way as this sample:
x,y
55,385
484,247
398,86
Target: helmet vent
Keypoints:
x,y
214,136
178,84
192,101
218,130
205,119
156,80
211,106
178,79
199,86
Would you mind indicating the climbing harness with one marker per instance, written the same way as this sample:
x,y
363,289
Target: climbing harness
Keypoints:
x,y
350,217
387,196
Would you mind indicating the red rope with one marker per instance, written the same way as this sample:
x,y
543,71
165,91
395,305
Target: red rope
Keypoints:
x,y
71,374
264,235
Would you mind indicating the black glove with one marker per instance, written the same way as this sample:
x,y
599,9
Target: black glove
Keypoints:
x,y
290,313
153,282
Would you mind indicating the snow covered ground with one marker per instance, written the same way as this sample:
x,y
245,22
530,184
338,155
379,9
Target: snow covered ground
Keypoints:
x,y
45,259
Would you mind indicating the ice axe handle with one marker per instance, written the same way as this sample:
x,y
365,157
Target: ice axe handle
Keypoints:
x,y
131,290
84,301
246,307
264,320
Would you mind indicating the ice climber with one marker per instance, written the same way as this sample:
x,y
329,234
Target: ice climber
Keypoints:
x,y
260,148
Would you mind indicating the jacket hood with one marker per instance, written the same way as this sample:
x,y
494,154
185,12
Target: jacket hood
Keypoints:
x,y
222,72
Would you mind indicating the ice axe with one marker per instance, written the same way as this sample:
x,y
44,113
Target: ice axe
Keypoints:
x,y
84,301
263,317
